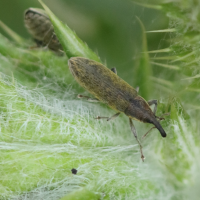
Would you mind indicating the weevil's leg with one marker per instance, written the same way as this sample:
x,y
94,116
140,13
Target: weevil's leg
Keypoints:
x,y
160,118
135,134
165,114
53,35
109,118
137,88
46,34
114,70
113,117
88,98
151,102
98,117
148,132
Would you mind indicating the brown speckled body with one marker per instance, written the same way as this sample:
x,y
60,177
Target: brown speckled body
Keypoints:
x,y
109,88
40,27
103,84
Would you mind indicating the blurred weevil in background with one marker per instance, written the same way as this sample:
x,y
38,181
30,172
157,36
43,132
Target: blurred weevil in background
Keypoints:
x,y
40,27
109,88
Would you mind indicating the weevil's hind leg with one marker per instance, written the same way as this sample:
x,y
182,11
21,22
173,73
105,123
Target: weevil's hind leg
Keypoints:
x,y
109,118
114,70
88,98
137,89
135,134
155,102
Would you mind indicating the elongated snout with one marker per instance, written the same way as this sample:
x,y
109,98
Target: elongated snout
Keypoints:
x,y
159,127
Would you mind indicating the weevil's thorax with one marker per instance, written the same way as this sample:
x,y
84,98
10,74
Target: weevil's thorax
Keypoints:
x,y
139,109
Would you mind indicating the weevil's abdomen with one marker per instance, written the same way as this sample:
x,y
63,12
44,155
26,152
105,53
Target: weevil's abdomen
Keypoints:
x,y
100,81
40,27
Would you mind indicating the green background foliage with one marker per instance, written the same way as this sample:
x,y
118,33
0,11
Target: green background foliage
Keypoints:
x,y
45,131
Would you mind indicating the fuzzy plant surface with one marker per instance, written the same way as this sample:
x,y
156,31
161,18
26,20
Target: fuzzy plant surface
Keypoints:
x,y
46,131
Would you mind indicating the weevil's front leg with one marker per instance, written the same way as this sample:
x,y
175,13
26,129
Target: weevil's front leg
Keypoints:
x,y
161,117
114,70
151,102
44,38
88,98
148,132
135,134
109,118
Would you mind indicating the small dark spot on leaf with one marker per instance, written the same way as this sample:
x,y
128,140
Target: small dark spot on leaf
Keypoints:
x,y
74,171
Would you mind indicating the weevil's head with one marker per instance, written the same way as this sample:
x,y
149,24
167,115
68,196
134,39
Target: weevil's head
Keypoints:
x,y
139,109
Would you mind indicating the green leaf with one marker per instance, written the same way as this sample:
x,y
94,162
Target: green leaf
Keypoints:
x,y
11,33
82,195
143,71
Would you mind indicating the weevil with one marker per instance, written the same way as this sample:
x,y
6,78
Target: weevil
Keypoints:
x,y
110,89
40,27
